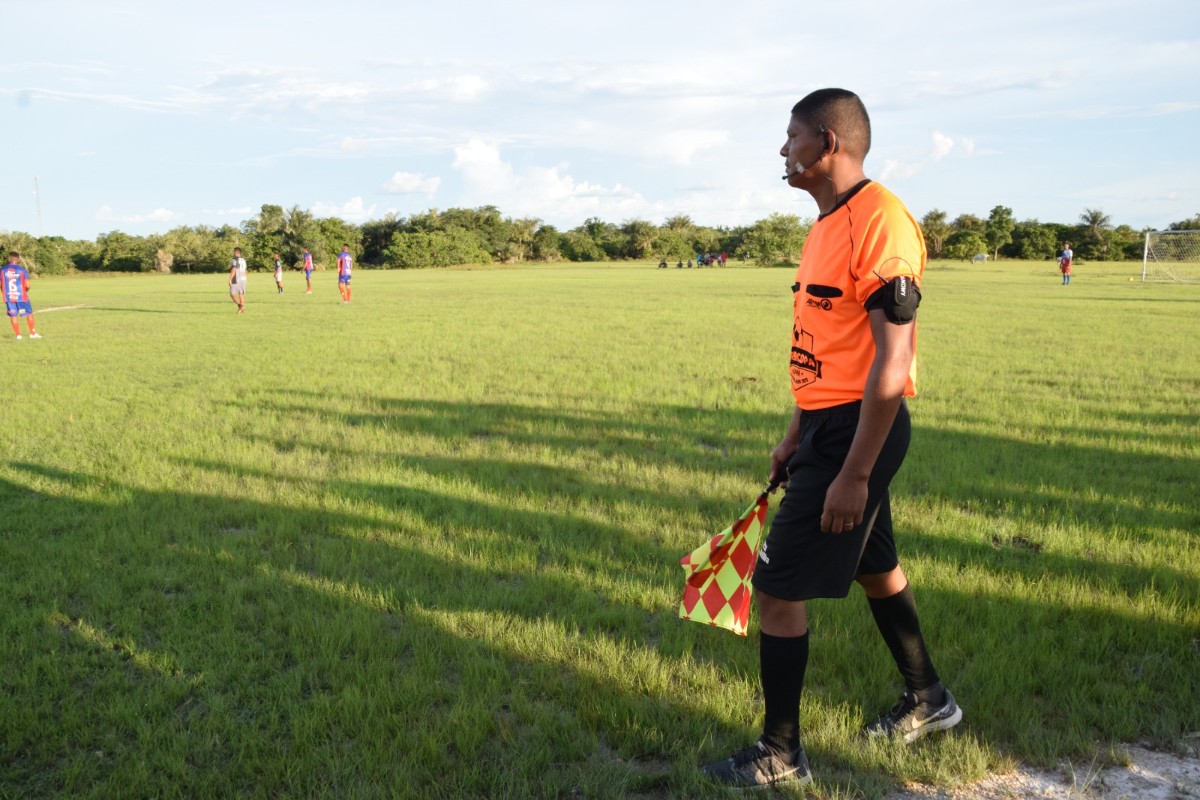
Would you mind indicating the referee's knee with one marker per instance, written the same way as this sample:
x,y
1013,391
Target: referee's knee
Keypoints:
x,y
778,617
883,584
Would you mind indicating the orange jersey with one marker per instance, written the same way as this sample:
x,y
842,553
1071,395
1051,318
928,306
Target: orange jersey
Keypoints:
x,y
866,240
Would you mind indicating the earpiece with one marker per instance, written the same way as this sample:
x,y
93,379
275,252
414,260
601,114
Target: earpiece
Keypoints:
x,y
832,145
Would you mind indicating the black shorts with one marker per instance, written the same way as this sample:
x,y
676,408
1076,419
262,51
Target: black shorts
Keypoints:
x,y
799,562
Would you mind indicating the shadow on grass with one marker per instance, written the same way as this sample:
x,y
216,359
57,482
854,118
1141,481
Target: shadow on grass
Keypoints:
x,y
1138,496
394,638
310,630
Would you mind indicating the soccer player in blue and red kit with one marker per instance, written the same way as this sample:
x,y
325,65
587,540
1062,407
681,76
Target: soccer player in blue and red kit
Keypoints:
x,y
345,265
307,271
16,296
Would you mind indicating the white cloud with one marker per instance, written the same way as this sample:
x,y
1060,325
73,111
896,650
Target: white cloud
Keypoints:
x,y
681,147
480,164
541,191
1103,111
942,145
365,144
353,210
462,88
265,91
28,96
106,214
411,183
612,120
423,141
893,169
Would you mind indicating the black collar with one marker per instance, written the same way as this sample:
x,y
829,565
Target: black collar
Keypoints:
x,y
845,198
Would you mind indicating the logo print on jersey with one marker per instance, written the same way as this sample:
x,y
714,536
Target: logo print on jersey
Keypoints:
x,y
806,367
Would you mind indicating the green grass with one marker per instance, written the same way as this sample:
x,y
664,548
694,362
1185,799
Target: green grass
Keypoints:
x,y
426,545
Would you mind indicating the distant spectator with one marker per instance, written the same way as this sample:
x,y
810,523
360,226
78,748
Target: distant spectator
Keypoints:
x,y
278,274
662,264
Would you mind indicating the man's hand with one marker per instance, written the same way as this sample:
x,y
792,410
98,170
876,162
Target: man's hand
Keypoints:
x,y
780,457
784,451
845,501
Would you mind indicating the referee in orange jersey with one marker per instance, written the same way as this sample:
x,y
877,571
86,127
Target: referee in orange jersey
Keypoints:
x,y
853,362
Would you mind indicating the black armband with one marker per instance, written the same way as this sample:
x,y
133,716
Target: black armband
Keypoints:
x,y
898,298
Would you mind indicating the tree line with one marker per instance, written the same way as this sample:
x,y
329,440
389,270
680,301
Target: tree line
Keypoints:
x,y
484,235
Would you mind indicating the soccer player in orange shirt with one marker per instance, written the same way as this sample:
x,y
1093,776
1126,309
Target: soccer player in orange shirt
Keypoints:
x,y
853,363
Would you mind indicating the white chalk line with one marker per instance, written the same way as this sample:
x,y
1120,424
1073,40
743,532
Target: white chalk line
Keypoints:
x,y
58,308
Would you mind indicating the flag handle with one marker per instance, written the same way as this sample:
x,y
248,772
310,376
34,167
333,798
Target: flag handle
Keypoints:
x,y
772,486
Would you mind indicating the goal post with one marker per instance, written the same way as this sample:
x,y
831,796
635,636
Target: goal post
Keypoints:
x,y
1171,256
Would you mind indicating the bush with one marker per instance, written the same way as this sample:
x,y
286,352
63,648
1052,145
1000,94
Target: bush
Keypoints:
x,y
435,249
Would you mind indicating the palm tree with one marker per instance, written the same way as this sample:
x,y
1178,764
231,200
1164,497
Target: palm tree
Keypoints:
x,y
1095,221
1096,225
297,230
520,237
936,229
640,235
679,222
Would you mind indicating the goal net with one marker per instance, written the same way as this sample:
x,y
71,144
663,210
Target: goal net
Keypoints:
x,y
1172,256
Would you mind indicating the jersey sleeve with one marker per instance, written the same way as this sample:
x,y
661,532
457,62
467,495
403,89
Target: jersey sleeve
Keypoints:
x,y
891,246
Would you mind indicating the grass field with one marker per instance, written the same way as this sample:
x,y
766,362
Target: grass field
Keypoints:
x,y
427,544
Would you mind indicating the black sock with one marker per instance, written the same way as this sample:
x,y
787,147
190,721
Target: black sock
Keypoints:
x,y
782,660
896,617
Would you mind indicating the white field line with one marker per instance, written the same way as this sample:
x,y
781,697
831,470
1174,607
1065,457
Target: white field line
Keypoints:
x,y
58,308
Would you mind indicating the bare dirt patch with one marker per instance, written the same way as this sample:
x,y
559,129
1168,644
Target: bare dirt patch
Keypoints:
x,y
1149,775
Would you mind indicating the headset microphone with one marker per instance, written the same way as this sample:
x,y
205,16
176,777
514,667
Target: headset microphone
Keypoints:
x,y
805,169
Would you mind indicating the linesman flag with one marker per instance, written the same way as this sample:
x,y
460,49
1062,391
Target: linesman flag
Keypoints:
x,y
717,591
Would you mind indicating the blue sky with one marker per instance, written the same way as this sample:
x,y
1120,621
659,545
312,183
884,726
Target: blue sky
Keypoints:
x,y
141,115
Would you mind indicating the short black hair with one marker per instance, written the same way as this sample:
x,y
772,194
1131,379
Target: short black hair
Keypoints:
x,y
13,254
840,111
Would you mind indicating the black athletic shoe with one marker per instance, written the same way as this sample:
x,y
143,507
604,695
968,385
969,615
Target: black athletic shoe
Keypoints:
x,y
911,719
760,766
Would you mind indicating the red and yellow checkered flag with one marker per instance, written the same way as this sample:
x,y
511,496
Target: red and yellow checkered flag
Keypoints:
x,y
718,572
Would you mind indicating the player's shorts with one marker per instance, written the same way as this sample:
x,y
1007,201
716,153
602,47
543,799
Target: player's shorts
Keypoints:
x,y
307,274
799,562
279,277
236,289
344,279
18,308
